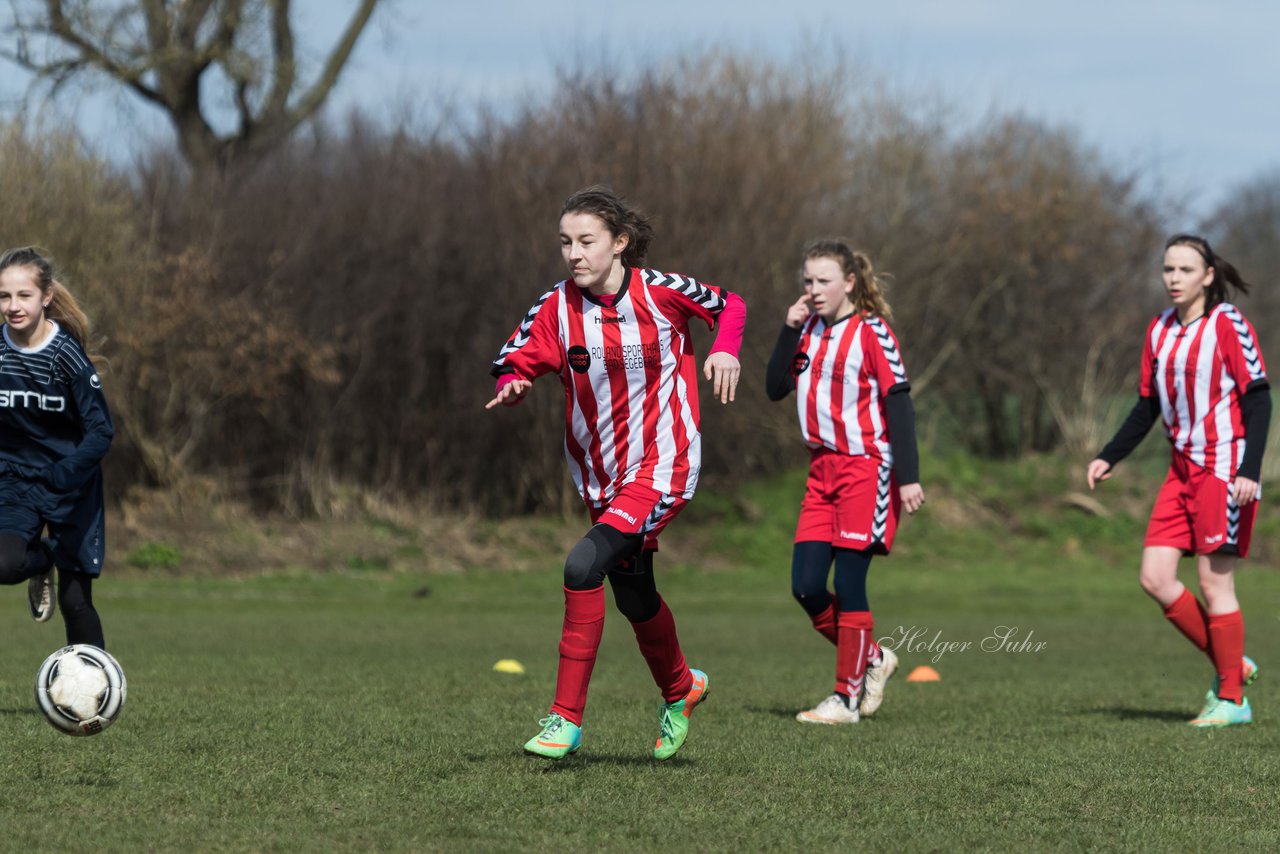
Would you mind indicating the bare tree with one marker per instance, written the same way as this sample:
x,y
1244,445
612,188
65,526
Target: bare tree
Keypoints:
x,y
179,54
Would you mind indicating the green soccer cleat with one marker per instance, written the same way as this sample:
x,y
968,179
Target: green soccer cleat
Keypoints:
x,y
1225,713
673,718
557,740
1248,675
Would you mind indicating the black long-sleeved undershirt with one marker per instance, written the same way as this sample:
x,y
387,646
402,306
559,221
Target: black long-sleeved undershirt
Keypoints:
x,y
899,412
1255,412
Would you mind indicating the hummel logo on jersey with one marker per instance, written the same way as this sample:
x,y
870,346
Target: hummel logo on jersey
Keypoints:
x,y
1216,538
579,359
603,320
625,515
32,399
849,535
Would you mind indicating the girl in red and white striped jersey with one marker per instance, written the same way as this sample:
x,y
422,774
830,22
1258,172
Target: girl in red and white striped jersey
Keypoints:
x,y
1203,373
837,352
617,335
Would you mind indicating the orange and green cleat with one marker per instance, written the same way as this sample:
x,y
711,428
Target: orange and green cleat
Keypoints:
x,y
1225,713
559,738
673,718
1248,675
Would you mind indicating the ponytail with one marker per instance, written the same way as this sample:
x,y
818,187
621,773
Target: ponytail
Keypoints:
x,y
868,288
1224,272
64,309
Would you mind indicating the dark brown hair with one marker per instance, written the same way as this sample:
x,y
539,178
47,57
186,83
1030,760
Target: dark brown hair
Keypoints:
x,y
618,216
1224,273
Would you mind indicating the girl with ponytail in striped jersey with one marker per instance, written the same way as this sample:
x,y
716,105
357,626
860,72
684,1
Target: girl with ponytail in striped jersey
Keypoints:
x,y
617,336
1203,374
54,431
837,352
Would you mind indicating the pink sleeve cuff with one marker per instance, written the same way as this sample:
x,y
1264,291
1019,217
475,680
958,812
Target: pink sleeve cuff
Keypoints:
x,y
504,380
730,326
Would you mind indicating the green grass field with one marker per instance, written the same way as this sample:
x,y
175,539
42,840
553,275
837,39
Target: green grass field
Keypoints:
x,y
361,711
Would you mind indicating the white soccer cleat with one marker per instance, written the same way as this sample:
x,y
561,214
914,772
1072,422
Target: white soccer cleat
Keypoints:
x,y
877,677
830,711
40,596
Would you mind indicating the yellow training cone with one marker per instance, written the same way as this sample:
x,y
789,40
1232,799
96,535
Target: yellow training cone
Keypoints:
x,y
509,665
924,673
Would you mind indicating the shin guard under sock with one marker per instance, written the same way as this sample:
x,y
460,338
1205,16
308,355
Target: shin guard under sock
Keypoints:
x,y
854,635
1226,637
660,647
579,643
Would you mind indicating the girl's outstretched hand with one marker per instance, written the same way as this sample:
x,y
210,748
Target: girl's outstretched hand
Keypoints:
x,y
510,394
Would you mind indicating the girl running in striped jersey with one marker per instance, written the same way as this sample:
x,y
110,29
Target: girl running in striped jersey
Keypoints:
x,y
1202,372
837,352
617,335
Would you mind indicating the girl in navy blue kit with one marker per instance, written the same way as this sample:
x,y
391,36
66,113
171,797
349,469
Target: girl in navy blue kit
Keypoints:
x,y
54,431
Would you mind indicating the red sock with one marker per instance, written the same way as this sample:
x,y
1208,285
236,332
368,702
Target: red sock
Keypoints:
x,y
1226,633
1190,618
854,633
825,622
660,647
579,642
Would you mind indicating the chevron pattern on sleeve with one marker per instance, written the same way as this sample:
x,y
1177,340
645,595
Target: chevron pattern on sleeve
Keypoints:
x,y
1252,358
521,336
890,347
692,288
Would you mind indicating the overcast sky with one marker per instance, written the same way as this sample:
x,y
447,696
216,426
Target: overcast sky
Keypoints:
x,y
1186,91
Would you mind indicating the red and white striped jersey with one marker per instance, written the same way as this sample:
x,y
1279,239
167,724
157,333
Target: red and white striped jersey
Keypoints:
x,y
843,372
1199,372
631,394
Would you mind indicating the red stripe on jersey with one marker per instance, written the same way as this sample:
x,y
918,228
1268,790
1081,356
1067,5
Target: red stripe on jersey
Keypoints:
x,y
583,396
652,374
685,392
1187,391
848,337
619,385
813,431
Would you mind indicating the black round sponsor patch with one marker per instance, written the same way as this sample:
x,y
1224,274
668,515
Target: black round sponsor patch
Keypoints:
x,y
799,363
579,358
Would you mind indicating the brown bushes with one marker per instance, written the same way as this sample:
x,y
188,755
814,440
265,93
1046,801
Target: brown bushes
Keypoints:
x,y
329,319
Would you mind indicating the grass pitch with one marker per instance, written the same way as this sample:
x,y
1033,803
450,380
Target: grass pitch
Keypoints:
x,y
362,712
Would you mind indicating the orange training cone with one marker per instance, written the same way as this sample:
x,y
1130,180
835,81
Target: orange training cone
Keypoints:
x,y
924,673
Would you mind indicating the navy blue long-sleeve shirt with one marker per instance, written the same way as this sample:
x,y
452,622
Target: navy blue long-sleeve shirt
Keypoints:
x,y
54,423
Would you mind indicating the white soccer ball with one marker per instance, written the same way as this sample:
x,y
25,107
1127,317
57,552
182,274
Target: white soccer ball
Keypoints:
x,y
80,689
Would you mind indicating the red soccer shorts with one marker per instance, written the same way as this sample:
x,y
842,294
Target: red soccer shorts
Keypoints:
x,y
637,509
850,502
1195,512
